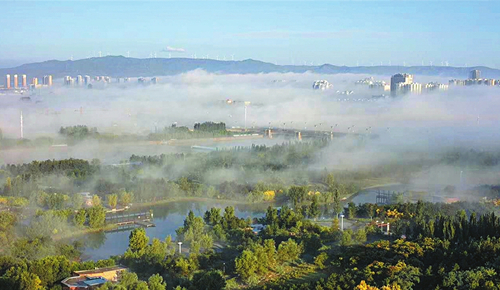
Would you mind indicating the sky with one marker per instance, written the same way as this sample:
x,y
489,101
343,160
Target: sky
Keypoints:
x,y
335,32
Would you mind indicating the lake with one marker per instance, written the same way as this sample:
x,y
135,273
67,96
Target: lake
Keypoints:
x,y
167,218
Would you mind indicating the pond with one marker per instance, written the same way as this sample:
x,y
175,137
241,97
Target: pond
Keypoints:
x,y
167,218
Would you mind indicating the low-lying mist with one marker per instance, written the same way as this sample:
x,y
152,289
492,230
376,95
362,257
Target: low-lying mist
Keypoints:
x,y
404,130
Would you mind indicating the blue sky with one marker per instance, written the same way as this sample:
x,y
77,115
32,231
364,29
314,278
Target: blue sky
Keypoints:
x,y
336,32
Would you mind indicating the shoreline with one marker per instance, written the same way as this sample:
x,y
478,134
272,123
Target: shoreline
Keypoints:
x,y
352,196
163,202
84,231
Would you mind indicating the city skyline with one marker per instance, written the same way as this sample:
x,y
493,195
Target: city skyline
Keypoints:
x,y
362,33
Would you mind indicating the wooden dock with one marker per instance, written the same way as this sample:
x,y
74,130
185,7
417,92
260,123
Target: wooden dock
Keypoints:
x,y
130,220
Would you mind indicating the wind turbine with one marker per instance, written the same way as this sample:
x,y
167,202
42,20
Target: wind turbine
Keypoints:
x,y
128,53
232,57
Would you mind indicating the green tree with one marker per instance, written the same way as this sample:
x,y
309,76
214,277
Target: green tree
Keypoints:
x,y
351,210
289,251
211,280
155,252
213,216
337,207
30,281
330,181
320,260
314,208
112,200
80,217
96,200
138,240
97,216
335,224
127,279
360,236
125,198
346,239
155,282
246,264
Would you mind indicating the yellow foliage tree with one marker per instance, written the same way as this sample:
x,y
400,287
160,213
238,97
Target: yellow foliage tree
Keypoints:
x,y
269,195
364,286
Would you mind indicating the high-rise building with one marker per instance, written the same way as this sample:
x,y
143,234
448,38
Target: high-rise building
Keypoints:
x,y
413,88
7,81
34,81
79,80
154,80
398,81
86,80
475,74
490,82
24,83
47,80
16,82
69,81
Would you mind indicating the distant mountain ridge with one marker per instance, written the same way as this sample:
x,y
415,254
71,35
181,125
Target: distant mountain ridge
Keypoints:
x,y
120,66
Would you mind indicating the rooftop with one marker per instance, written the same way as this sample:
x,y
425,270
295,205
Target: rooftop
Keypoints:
x,y
100,270
83,282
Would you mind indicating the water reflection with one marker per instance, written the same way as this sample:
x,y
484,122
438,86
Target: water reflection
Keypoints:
x,y
168,218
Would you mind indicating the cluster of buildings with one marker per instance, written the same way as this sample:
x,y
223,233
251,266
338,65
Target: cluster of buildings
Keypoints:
x,y
14,82
373,84
322,85
403,84
475,79
88,81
